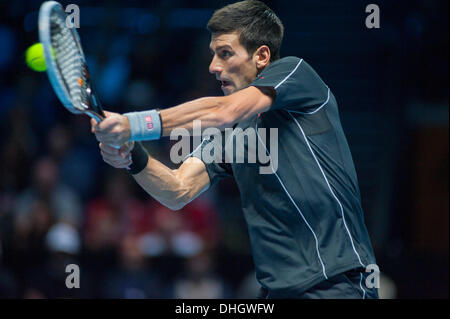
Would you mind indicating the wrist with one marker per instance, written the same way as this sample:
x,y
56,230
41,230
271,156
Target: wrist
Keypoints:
x,y
144,126
139,157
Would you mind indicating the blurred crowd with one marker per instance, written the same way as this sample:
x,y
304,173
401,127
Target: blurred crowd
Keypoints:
x,y
74,210
60,204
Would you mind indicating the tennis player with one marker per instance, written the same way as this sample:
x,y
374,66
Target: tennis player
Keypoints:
x,y
305,221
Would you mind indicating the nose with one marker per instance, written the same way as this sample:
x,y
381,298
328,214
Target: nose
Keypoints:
x,y
215,67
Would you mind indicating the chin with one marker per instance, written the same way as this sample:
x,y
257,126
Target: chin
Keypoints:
x,y
227,91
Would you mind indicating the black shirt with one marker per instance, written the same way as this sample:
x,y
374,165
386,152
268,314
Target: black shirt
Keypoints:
x,y
305,219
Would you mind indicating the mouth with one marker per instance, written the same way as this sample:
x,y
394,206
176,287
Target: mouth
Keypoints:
x,y
225,83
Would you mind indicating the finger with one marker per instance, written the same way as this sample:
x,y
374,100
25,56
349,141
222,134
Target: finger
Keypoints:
x,y
107,113
116,165
116,160
125,150
108,149
121,165
100,138
106,125
112,158
124,164
115,157
93,124
105,139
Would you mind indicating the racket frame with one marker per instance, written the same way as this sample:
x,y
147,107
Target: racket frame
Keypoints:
x,y
94,109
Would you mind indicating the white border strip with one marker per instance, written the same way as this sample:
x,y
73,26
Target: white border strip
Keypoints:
x,y
298,64
293,202
360,285
328,184
316,110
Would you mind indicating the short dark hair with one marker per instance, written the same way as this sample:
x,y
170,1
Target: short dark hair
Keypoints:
x,y
256,23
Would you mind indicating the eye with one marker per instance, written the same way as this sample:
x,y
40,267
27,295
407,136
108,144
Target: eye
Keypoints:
x,y
225,54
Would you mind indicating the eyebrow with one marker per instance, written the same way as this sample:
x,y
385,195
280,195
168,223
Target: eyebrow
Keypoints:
x,y
220,47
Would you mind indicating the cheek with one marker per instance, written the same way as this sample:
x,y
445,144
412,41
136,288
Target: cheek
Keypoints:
x,y
242,74
251,73
235,71
248,74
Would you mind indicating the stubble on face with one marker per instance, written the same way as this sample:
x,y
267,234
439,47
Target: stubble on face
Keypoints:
x,y
231,63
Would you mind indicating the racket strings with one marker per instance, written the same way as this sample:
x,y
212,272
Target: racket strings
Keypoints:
x,y
69,60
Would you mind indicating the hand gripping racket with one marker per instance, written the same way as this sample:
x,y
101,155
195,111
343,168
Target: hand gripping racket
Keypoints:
x,y
65,62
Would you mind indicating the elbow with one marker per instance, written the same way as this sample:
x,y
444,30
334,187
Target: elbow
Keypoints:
x,y
179,201
182,195
176,206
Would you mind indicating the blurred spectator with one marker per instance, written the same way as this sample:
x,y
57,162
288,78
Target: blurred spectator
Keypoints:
x,y
133,278
110,218
28,240
8,43
249,287
48,279
198,217
59,141
139,95
388,288
63,238
8,285
64,203
73,149
199,279
174,236
17,151
115,214
113,78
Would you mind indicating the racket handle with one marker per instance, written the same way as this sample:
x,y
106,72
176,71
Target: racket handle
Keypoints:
x,y
98,118
95,116
95,102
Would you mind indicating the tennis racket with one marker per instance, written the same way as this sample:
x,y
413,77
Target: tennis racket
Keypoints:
x,y
65,62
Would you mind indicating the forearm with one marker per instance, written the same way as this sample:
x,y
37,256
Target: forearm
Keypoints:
x,y
162,183
218,112
211,111
172,188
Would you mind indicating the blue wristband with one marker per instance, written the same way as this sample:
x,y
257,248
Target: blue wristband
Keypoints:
x,y
144,126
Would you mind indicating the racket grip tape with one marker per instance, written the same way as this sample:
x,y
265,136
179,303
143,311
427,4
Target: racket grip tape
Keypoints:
x,y
139,156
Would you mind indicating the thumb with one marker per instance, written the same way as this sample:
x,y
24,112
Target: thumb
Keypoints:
x,y
93,124
107,113
106,124
125,149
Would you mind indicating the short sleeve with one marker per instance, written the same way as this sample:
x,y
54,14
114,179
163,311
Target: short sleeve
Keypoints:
x,y
217,169
298,87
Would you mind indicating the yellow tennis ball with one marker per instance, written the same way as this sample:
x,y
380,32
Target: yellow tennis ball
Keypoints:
x,y
34,56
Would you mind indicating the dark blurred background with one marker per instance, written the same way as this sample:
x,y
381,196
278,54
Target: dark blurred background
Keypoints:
x,y
60,204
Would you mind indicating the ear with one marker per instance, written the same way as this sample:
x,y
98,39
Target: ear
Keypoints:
x,y
262,57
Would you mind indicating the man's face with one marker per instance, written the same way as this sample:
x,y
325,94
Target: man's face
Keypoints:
x,y
231,63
